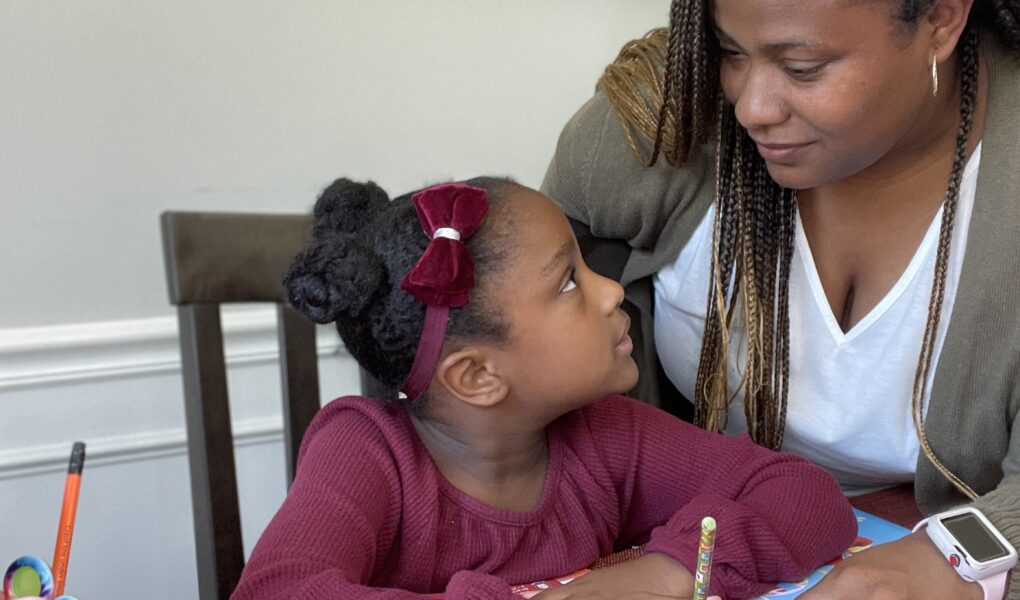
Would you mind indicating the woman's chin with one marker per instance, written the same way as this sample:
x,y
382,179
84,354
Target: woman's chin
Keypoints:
x,y
794,177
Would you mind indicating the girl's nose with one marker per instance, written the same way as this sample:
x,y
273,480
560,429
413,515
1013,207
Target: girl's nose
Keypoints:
x,y
612,294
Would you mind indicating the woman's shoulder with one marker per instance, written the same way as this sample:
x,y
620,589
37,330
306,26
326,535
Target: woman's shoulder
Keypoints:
x,y
622,116
600,173
1001,127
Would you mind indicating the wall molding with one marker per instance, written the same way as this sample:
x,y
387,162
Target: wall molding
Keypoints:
x,y
108,353
75,353
44,459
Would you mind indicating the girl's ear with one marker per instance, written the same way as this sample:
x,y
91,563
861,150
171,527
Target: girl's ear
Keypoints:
x,y
471,376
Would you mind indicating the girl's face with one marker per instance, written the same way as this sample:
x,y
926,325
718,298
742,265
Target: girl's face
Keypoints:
x,y
825,88
568,343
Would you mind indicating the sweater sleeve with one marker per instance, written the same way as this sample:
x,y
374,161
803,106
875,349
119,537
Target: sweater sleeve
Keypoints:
x,y
338,522
1002,505
778,516
596,179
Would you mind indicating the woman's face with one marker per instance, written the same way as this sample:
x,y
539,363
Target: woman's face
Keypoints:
x,y
825,88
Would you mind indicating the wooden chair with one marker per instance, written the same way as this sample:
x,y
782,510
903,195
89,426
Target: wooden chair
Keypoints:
x,y
214,259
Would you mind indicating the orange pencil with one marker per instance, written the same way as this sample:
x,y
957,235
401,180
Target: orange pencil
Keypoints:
x,y
66,528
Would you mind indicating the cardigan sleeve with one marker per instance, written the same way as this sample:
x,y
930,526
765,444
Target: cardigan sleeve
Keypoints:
x,y
1002,505
596,179
778,516
338,522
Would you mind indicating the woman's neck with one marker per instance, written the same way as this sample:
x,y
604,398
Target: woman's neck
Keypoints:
x,y
504,468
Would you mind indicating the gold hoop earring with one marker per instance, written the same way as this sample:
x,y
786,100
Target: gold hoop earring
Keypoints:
x,y
934,75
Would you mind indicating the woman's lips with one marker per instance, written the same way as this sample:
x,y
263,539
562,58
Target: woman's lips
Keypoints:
x,y
783,154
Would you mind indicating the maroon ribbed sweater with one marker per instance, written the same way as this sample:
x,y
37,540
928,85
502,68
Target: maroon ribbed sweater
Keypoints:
x,y
370,515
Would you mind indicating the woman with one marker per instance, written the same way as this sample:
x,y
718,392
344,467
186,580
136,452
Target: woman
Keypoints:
x,y
840,181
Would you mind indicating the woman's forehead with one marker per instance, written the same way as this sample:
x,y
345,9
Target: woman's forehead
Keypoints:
x,y
802,12
781,24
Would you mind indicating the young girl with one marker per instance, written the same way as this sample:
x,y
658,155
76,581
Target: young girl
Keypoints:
x,y
512,458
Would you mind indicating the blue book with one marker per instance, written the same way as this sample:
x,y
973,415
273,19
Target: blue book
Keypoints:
x,y
871,531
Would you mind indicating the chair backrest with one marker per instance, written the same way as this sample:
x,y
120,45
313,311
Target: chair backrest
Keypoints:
x,y
214,259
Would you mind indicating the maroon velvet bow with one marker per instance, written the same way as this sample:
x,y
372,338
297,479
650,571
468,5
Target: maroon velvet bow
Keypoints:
x,y
445,274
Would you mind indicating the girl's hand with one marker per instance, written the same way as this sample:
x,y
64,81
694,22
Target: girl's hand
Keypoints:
x,y
910,568
654,576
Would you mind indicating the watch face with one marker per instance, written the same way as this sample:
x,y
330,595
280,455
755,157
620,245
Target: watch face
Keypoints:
x,y
974,537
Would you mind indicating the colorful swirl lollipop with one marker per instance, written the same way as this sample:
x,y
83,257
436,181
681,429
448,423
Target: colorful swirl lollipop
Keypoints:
x,y
30,578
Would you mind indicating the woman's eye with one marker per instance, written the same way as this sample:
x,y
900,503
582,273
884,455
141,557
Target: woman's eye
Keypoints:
x,y
802,71
570,284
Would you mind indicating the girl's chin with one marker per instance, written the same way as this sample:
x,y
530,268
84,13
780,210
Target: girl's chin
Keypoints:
x,y
628,378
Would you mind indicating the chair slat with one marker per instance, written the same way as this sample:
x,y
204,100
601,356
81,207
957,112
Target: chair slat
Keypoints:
x,y
220,552
300,378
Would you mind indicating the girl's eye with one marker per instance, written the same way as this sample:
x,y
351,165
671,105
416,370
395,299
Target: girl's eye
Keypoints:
x,y
570,284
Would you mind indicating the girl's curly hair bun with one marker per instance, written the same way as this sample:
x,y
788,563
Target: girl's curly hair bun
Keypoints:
x,y
347,206
334,275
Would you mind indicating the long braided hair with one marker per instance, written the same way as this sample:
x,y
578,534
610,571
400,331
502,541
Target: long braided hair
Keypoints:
x,y
666,90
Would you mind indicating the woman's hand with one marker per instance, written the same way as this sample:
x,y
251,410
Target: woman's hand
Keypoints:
x,y
654,576
910,568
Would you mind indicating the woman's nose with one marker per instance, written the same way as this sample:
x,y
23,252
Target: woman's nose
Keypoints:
x,y
760,103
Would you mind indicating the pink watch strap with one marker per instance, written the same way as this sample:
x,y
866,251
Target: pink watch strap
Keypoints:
x,y
994,586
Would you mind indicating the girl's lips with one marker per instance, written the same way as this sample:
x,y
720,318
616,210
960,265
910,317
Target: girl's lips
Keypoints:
x,y
626,345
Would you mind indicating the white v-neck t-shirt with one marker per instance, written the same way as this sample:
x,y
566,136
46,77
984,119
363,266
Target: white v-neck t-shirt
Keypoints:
x,y
849,403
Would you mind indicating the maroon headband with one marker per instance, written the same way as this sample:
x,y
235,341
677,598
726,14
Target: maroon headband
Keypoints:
x,y
445,273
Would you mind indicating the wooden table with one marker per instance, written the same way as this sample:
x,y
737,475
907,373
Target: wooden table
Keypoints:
x,y
894,504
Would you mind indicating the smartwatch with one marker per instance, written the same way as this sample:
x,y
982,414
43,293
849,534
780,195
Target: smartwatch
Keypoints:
x,y
974,547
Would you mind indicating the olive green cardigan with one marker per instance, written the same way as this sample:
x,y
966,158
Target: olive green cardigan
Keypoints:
x,y
975,397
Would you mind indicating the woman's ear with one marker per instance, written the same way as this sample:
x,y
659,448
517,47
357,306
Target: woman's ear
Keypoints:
x,y
471,376
948,18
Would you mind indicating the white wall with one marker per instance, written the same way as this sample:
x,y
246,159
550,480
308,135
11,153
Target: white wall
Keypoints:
x,y
111,112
